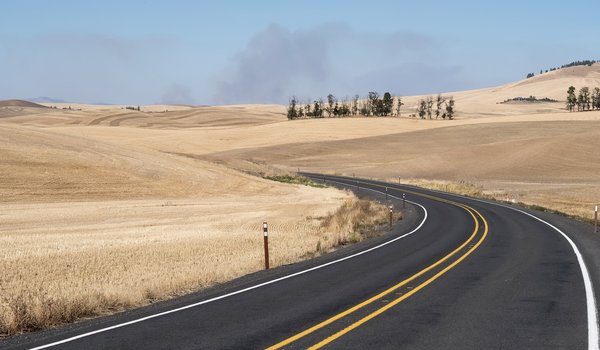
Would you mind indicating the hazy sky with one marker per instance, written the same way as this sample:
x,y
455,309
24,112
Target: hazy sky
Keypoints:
x,y
216,52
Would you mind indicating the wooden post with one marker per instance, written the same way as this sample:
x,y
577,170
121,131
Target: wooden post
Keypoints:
x,y
266,240
595,219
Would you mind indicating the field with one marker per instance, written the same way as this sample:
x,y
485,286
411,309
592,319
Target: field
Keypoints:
x,y
105,208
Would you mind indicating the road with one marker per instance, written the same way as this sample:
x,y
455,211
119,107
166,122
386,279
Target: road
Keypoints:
x,y
462,274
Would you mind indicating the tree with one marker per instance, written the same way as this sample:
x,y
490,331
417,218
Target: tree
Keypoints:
x,y
530,75
345,108
399,105
364,109
422,109
307,111
596,99
438,104
292,113
330,102
373,102
355,105
387,104
583,100
429,106
450,108
318,108
571,98
336,110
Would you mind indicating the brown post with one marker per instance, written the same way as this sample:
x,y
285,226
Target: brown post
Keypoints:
x,y
391,216
403,200
398,180
266,240
595,219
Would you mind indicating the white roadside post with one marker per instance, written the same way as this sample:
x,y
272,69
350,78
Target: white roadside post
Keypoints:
x,y
266,240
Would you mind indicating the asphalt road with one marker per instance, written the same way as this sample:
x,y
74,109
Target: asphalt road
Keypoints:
x,y
457,273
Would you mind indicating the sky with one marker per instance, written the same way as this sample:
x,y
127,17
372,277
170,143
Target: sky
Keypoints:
x,y
234,52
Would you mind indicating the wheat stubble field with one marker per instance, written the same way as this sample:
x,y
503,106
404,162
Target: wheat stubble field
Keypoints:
x,y
103,208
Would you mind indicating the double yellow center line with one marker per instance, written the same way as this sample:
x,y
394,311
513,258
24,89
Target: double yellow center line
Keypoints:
x,y
473,213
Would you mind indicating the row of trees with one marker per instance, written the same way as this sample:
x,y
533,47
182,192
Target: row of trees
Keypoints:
x,y
584,100
444,107
372,105
572,64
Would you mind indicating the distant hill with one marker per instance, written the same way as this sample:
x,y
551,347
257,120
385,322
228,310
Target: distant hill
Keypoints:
x,y
20,103
44,99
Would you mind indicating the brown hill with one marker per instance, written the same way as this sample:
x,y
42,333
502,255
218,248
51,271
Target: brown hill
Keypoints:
x,y
20,103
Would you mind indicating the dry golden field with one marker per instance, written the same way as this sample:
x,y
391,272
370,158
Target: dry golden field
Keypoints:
x,y
103,208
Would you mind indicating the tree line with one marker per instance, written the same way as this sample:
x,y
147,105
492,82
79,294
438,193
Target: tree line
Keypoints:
x,y
584,100
572,64
372,105
444,107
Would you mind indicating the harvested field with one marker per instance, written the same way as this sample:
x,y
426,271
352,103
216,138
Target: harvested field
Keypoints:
x,y
105,208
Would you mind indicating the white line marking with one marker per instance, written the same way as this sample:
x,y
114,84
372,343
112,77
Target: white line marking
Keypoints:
x,y
592,315
241,290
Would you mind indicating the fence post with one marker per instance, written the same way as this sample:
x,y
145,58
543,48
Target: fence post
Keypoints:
x,y
266,240
595,219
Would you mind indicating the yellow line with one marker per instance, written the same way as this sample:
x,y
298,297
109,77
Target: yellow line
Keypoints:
x,y
400,299
384,293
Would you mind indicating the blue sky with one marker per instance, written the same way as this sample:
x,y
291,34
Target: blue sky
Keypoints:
x,y
223,52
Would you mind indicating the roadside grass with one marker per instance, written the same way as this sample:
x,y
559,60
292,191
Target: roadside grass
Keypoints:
x,y
466,188
356,220
294,179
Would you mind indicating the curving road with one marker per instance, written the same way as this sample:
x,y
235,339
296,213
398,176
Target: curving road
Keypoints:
x,y
458,273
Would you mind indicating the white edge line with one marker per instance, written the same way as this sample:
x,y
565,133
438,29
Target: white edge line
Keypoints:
x,y
245,289
592,313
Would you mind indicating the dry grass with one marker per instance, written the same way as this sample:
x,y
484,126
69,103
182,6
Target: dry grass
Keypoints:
x,y
354,221
570,205
464,188
56,271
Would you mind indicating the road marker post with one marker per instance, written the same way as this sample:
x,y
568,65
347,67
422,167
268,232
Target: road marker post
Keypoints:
x,y
391,216
595,219
386,194
403,200
398,180
266,240
357,186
